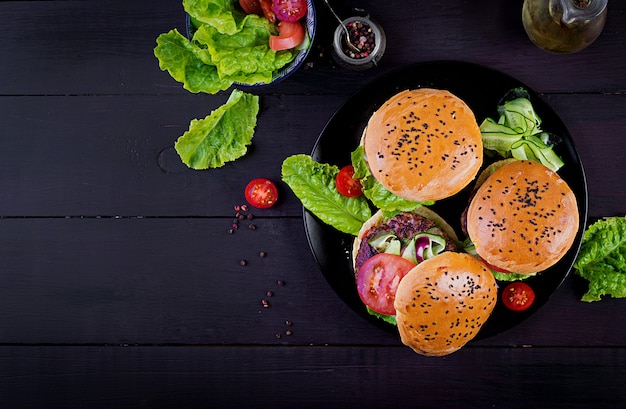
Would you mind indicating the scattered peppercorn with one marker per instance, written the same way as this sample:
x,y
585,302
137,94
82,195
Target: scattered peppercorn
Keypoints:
x,y
288,333
277,335
269,294
243,263
288,323
280,283
265,303
262,254
252,227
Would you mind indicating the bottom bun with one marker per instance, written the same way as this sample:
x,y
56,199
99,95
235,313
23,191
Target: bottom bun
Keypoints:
x,y
442,303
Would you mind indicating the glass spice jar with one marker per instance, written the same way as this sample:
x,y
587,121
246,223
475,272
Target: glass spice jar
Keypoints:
x,y
563,26
367,36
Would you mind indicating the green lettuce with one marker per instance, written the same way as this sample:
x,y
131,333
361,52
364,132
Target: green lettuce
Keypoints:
x,y
221,14
602,259
314,184
222,136
375,191
244,56
221,53
189,64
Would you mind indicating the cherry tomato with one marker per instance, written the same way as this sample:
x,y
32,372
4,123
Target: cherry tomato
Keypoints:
x,y
251,7
268,10
290,10
289,36
378,279
518,296
261,193
346,183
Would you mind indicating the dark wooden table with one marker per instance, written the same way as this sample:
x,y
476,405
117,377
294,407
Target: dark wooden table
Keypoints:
x,y
121,288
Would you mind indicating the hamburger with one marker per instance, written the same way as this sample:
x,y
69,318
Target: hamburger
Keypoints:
x,y
522,218
423,144
386,248
443,302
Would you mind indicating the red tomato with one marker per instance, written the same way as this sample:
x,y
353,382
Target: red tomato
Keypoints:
x,y
261,193
494,268
251,7
268,10
346,184
290,10
378,279
518,296
289,36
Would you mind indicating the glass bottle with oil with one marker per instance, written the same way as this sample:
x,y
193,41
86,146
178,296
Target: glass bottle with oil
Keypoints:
x,y
563,26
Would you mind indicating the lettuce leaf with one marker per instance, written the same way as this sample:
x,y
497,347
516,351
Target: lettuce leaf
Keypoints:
x,y
602,259
314,184
188,63
214,60
221,14
222,136
390,319
375,191
244,56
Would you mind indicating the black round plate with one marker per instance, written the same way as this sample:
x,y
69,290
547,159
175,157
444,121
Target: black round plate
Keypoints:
x,y
482,89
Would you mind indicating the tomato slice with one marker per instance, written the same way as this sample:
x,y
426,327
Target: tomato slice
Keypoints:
x,y
251,7
494,268
290,35
290,10
261,193
518,296
378,279
347,184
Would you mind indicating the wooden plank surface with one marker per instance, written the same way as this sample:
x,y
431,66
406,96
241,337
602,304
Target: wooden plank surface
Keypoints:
x,y
310,377
120,286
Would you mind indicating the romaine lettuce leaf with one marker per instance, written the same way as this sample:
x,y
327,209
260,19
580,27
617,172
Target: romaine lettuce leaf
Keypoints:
x,y
188,63
602,259
213,61
314,184
221,14
244,56
222,136
375,191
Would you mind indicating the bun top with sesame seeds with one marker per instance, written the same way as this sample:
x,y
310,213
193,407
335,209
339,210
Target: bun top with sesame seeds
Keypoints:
x,y
423,144
523,218
443,302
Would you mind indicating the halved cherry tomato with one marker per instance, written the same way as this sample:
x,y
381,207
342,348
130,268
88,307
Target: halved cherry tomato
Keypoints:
x,y
518,296
251,7
268,10
289,36
261,193
378,279
290,10
347,184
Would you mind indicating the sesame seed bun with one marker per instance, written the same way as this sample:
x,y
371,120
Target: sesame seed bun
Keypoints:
x,y
523,218
423,144
442,303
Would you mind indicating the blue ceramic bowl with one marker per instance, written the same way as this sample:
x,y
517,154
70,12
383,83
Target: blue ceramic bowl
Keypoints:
x,y
287,70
